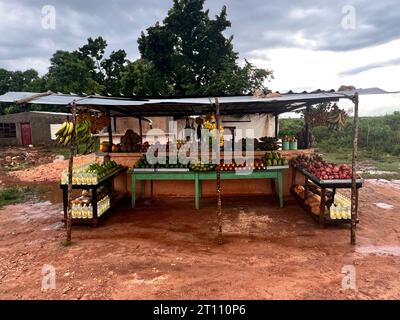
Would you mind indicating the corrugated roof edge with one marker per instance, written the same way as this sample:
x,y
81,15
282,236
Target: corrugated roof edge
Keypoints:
x,y
65,99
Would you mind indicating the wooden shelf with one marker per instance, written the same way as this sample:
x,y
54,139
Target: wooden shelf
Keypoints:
x,y
107,181
327,218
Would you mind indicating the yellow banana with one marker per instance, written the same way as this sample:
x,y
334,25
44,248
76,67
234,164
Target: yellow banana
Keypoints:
x,y
67,140
70,129
61,131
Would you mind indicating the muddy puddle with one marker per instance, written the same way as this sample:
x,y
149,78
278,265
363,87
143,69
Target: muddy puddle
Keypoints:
x,y
47,192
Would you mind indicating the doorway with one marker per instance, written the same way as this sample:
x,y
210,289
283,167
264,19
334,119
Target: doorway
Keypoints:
x,y
26,134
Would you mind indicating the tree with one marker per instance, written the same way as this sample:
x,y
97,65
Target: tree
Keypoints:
x,y
141,78
28,80
69,73
92,54
112,69
190,51
18,80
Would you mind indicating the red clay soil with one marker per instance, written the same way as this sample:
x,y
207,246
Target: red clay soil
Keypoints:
x,y
168,250
49,172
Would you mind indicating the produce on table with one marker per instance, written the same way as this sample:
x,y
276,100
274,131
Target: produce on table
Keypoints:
x,y
256,165
145,146
321,169
142,163
105,146
115,148
202,167
272,159
262,144
299,190
131,142
101,170
314,202
340,208
89,174
267,144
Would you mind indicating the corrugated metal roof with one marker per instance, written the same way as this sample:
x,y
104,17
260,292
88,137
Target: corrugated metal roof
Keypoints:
x,y
190,106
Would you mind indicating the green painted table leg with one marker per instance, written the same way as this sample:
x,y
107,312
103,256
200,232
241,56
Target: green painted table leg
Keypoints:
x,y
200,188
133,191
280,188
197,191
143,189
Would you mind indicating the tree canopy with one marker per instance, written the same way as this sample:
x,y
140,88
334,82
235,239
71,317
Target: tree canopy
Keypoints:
x,y
186,55
190,52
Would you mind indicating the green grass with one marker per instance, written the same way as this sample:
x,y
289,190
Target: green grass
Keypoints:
x,y
19,194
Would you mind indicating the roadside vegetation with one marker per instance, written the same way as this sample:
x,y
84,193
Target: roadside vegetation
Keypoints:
x,y
19,194
379,143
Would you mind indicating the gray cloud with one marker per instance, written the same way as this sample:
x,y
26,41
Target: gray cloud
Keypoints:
x,y
375,65
256,24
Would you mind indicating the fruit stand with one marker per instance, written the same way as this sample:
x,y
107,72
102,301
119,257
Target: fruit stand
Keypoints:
x,y
102,109
318,196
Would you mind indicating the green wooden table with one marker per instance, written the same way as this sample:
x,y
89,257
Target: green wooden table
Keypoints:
x,y
275,174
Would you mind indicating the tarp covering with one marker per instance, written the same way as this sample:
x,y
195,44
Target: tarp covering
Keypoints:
x,y
190,106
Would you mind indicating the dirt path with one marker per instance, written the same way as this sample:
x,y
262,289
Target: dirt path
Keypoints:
x,y
49,172
167,250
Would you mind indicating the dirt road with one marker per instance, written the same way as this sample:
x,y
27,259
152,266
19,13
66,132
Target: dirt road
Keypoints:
x,y
167,250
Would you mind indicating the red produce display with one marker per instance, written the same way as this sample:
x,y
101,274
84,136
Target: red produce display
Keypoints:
x,y
321,169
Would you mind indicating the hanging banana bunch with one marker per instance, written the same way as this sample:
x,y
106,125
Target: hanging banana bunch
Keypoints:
x,y
330,116
83,132
64,134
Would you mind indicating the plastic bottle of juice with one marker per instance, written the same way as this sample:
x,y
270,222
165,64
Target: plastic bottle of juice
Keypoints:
x,y
89,211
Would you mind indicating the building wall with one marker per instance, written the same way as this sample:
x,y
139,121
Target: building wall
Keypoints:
x,y
263,125
40,126
124,124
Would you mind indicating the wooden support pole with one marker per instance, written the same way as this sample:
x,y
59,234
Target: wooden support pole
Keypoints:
x,y
70,172
141,130
354,191
218,172
107,158
115,123
276,125
307,128
109,128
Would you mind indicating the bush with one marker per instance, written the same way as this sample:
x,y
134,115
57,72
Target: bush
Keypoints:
x,y
377,135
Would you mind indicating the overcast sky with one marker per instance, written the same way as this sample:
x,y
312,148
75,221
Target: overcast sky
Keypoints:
x,y
308,43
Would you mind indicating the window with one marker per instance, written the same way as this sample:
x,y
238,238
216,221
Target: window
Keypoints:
x,y
8,130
